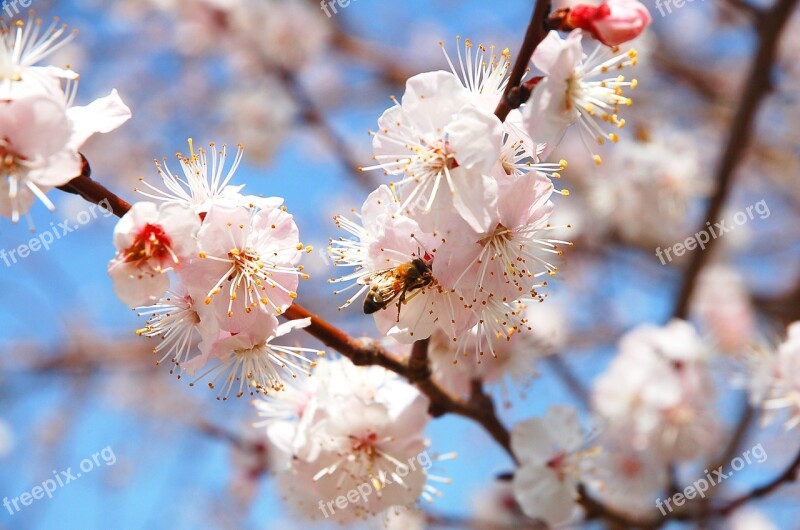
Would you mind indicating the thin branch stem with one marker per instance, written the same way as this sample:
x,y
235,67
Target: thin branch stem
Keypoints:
x,y
94,192
516,94
788,475
480,408
747,8
770,26
311,114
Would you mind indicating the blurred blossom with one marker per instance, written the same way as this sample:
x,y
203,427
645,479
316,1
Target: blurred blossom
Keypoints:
x,y
259,116
652,188
270,30
553,459
750,519
6,439
495,506
261,33
513,361
628,480
202,25
401,518
344,428
658,393
785,392
249,462
513,364
152,396
722,303
550,323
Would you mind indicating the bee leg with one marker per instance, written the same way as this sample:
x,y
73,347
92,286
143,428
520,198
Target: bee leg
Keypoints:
x,y
400,303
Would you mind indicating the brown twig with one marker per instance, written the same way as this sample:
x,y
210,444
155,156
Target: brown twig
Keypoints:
x,y
788,475
311,114
387,69
747,8
516,93
94,192
571,381
480,408
770,27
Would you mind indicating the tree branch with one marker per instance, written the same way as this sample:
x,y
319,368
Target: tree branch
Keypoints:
x,y
516,94
94,192
311,114
480,408
748,8
770,27
789,475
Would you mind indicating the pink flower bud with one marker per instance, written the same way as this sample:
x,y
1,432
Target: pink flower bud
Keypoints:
x,y
613,22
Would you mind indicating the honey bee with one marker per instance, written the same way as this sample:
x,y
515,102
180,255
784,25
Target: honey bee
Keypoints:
x,y
394,284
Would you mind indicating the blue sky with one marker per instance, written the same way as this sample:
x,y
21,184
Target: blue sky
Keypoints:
x,y
166,472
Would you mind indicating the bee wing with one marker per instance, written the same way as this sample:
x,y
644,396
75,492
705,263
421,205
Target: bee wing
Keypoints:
x,y
385,286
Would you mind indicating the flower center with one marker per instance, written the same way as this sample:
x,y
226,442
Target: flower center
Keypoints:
x,y
10,161
631,467
558,465
151,243
440,156
366,445
246,261
501,235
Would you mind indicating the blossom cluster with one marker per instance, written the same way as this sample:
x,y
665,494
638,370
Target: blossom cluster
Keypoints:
x,y
460,243
349,429
41,130
204,261
654,408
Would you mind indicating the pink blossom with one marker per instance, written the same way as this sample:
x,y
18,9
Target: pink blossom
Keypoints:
x,y
658,393
444,146
551,461
247,266
613,22
577,89
150,241
350,426
388,239
39,142
250,362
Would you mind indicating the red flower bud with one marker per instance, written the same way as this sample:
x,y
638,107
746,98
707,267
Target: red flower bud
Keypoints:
x,y
613,22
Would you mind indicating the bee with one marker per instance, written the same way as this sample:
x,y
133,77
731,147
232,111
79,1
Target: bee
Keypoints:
x,y
394,284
